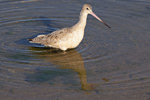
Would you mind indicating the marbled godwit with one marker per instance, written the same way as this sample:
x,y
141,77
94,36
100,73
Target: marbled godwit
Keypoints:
x,y
70,37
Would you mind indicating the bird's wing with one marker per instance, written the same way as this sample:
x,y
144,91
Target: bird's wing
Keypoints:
x,y
57,36
52,39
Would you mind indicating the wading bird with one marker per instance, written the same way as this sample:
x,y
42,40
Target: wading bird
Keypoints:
x,y
70,37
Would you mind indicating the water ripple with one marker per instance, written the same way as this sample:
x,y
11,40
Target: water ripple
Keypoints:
x,y
116,57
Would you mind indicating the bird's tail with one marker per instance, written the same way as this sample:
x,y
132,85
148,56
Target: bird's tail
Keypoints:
x,y
39,39
30,40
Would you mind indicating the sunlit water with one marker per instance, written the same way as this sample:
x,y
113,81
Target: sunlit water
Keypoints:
x,y
109,64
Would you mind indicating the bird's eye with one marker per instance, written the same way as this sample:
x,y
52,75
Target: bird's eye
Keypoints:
x,y
87,8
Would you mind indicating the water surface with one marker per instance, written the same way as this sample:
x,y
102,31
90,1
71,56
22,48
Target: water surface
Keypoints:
x,y
107,65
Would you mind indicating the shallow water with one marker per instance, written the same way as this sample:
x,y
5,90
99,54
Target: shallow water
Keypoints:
x,y
107,65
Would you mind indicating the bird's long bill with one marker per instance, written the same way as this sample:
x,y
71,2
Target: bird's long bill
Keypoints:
x,y
93,14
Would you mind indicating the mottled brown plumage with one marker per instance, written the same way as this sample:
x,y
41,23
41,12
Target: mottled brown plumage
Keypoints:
x,y
70,37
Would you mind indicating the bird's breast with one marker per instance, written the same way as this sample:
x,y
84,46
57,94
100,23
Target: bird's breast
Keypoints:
x,y
77,37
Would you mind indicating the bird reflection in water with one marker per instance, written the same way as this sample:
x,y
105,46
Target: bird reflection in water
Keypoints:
x,y
66,60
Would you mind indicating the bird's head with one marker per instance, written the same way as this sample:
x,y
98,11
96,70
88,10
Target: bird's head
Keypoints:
x,y
87,8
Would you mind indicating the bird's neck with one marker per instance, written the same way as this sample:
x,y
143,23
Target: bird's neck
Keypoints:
x,y
82,20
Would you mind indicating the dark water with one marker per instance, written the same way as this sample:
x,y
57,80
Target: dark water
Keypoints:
x,y
108,64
